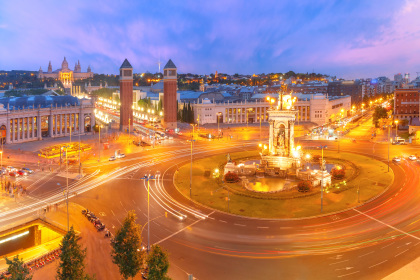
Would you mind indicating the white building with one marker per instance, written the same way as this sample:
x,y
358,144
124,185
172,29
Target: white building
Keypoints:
x,y
316,108
32,118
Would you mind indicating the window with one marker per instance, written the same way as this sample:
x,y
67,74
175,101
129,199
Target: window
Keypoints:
x,y
127,73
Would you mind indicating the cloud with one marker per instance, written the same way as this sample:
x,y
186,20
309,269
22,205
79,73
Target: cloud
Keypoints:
x,y
344,38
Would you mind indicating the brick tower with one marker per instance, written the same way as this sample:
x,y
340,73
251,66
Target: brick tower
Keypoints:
x,y
169,95
126,96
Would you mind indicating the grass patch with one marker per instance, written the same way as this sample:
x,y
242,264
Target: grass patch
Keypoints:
x,y
369,175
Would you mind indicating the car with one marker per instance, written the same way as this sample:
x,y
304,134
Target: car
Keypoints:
x,y
121,156
144,144
22,172
112,158
14,174
11,168
396,159
30,171
412,157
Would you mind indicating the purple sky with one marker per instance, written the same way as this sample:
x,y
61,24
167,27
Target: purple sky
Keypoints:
x,y
349,38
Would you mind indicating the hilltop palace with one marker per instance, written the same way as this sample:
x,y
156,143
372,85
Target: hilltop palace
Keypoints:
x,y
64,74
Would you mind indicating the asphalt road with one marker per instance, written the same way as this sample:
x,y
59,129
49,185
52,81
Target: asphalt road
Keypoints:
x,y
368,242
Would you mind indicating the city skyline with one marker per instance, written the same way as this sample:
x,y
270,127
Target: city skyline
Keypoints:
x,y
347,40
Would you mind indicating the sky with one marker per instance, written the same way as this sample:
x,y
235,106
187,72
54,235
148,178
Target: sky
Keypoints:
x,y
349,38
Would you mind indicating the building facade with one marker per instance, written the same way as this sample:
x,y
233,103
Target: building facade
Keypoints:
x,y
65,74
406,103
24,119
316,108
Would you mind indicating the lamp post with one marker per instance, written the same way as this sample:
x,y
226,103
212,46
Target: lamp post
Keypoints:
x,y
80,161
192,140
389,140
396,129
218,129
99,145
322,173
67,188
148,178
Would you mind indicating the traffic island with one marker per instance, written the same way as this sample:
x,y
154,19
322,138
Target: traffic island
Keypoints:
x,y
365,178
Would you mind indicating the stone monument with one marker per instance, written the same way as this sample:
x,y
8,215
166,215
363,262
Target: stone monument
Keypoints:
x,y
282,156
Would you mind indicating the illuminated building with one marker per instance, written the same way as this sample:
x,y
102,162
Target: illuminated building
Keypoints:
x,y
32,118
64,74
170,95
126,96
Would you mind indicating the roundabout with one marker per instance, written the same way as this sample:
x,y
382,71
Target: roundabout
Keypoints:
x,y
365,178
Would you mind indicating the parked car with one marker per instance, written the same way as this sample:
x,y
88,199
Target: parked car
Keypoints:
x,y
412,157
14,174
112,158
11,168
30,171
22,173
396,159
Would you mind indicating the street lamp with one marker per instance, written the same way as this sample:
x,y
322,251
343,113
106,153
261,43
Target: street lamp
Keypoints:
x,y
99,146
218,130
322,173
148,178
396,129
192,140
67,188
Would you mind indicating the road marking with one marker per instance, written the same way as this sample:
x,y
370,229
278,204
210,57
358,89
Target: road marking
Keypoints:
x,y
366,254
338,262
175,233
239,225
134,201
385,224
112,212
344,268
262,227
401,253
387,245
378,264
348,274
406,244
222,221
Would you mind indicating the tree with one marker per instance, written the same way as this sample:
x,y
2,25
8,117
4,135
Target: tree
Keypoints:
x,y
304,186
157,263
125,247
380,113
17,269
71,265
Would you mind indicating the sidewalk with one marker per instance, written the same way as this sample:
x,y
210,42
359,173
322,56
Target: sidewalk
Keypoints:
x,y
409,272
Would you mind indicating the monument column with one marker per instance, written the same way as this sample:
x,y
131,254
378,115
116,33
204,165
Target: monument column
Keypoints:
x,y
170,99
39,127
271,138
126,96
292,136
